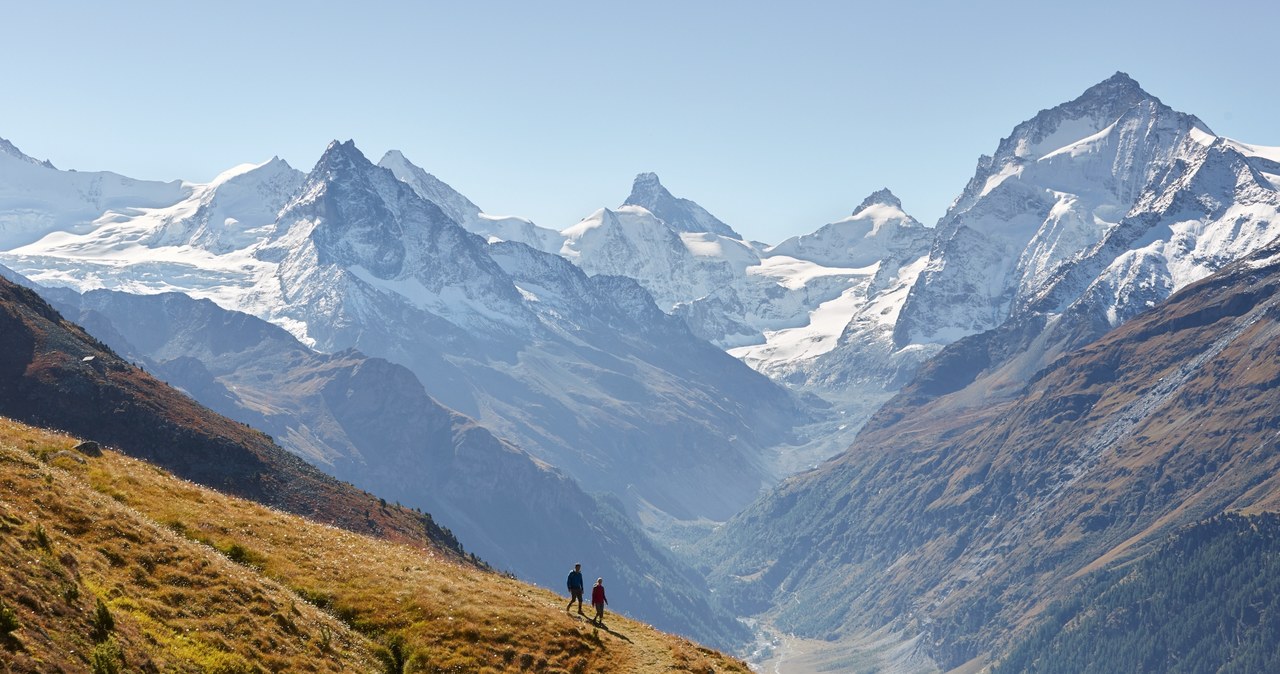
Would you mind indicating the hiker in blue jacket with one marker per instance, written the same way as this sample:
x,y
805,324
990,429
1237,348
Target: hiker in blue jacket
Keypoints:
x,y
575,588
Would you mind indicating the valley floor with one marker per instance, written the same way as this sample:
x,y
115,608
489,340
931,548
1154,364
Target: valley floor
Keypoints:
x,y
882,652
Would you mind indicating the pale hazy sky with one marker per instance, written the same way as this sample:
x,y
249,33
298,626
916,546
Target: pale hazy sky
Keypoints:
x,y
775,116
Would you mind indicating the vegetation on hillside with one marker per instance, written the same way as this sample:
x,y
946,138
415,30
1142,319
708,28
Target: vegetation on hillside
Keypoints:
x,y
110,564
1208,600
53,374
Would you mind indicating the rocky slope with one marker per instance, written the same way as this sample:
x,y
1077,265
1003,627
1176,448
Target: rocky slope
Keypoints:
x,y
955,515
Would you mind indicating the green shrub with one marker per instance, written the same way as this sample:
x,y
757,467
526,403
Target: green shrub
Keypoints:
x,y
42,539
8,620
242,555
103,623
106,658
394,656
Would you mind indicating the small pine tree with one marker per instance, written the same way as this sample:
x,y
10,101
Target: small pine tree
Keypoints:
x,y
106,658
42,539
8,620
103,623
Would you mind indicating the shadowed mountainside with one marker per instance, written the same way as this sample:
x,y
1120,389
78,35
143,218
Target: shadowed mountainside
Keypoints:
x,y
54,374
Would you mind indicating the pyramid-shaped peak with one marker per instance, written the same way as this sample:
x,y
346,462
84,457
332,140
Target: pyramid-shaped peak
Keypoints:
x,y
344,155
1118,86
680,215
401,166
646,189
1120,79
337,146
395,157
879,197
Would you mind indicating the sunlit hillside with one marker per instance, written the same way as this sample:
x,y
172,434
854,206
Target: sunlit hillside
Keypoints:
x,y
110,565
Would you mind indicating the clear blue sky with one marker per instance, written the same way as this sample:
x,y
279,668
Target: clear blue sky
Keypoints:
x,y
777,117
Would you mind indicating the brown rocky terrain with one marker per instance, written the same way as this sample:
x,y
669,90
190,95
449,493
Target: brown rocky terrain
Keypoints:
x,y
962,509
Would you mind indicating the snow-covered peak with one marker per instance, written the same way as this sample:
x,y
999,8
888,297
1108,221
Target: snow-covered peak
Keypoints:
x,y
431,188
233,212
11,150
681,215
881,197
464,212
38,200
647,188
1092,111
272,166
675,266
1053,189
878,230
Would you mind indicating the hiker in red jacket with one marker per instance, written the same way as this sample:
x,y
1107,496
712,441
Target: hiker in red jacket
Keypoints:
x,y
598,600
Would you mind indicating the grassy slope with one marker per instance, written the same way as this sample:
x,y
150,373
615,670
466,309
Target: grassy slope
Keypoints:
x,y
55,375
301,596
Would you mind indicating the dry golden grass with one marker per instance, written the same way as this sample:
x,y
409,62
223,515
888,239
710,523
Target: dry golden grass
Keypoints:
x,y
299,596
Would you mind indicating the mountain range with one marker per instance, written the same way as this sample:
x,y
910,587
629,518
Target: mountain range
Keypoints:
x,y
1009,400
583,372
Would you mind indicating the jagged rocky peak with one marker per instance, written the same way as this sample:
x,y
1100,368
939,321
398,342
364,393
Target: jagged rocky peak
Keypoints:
x,y
339,155
879,197
1100,106
339,162
1117,87
647,188
12,150
681,215
343,167
1108,98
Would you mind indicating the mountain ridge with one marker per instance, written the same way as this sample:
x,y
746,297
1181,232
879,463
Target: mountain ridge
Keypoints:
x,y
53,373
